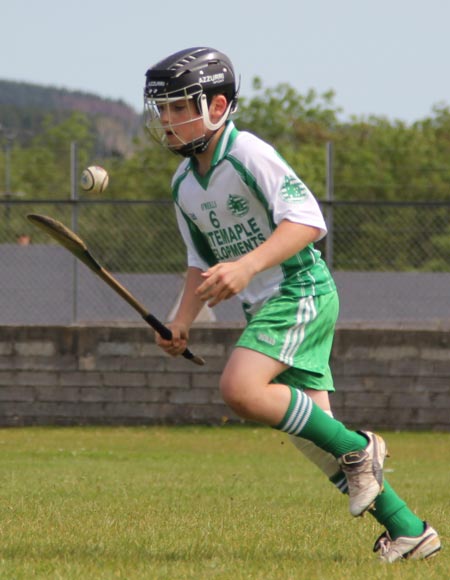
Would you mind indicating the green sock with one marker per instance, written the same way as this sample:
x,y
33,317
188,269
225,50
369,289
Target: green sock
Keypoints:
x,y
393,513
305,419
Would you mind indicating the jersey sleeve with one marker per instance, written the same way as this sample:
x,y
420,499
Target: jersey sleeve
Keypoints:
x,y
287,196
194,258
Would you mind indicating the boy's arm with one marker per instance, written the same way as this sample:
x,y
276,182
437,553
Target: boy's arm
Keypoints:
x,y
226,279
190,306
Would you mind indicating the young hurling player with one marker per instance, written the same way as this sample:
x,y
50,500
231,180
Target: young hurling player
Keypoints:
x,y
249,224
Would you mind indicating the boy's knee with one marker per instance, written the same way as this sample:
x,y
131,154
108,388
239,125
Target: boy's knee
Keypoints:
x,y
235,396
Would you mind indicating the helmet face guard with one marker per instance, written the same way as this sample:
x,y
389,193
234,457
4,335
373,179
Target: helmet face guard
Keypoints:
x,y
159,131
195,75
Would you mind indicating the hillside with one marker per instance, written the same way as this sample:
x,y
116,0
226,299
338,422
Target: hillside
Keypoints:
x,y
24,106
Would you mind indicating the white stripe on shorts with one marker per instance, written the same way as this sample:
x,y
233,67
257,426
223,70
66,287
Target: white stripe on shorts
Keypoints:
x,y
305,313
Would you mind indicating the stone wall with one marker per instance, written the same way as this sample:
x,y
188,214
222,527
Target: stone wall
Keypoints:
x,y
386,378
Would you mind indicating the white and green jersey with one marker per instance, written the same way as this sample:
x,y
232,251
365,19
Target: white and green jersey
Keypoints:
x,y
233,209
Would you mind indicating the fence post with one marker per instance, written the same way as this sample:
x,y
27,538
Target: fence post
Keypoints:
x,y
74,205
8,192
329,241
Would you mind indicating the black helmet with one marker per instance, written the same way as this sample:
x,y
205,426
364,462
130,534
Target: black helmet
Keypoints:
x,y
195,73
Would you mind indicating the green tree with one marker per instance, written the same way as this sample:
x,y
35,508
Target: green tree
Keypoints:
x,y
375,160
44,166
144,176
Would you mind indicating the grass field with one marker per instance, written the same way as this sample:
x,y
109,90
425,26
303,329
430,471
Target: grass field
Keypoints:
x,y
234,503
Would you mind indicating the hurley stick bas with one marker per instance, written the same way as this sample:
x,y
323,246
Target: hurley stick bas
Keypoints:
x,y
67,238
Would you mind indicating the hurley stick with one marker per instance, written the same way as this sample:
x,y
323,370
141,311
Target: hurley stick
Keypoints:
x,y
67,238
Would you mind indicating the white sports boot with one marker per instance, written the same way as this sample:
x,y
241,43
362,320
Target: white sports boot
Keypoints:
x,y
364,472
405,548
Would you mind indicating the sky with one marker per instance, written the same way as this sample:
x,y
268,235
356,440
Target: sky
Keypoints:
x,y
387,58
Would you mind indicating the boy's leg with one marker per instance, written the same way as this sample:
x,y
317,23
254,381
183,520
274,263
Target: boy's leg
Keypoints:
x,y
246,387
362,466
389,509
325,461
289,333
406,535
313,339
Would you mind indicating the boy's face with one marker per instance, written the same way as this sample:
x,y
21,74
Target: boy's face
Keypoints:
x,y
177,123
181,122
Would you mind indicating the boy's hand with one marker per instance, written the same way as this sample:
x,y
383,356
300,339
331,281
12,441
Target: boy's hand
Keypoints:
x,y
179,340
223,281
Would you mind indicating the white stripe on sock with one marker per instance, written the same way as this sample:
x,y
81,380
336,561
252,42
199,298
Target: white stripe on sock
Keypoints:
x,y
303,419
342,485
299,415
295,411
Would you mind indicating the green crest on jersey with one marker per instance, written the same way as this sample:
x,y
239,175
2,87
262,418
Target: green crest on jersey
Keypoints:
x,y
293,189
237,205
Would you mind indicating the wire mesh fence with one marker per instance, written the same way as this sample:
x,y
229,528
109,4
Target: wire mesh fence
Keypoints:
x,y
43,283
388,236
138,241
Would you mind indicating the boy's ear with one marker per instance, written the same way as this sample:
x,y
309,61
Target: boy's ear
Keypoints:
x,y
218,107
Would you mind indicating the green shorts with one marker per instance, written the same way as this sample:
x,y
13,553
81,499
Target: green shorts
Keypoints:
x,y
298,333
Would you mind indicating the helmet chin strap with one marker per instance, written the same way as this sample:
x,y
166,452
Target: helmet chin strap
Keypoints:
x,y
205,113
198,146
201,144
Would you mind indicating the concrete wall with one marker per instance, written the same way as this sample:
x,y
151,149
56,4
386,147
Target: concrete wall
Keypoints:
x,y
386,378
